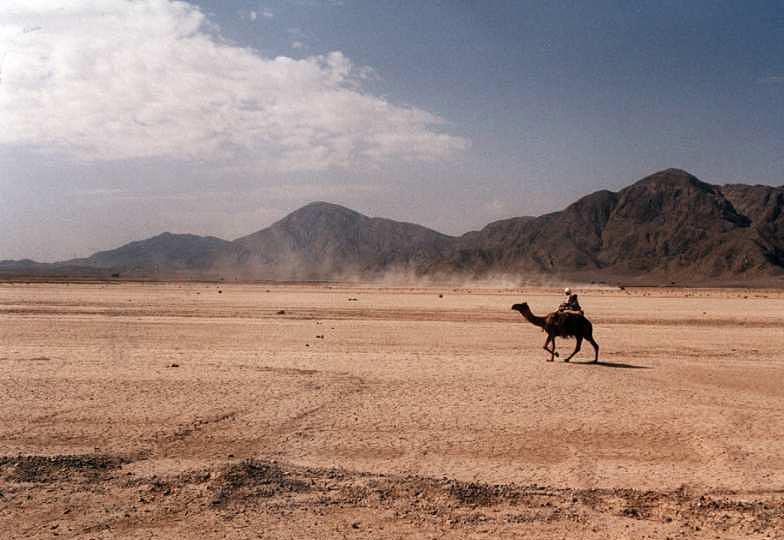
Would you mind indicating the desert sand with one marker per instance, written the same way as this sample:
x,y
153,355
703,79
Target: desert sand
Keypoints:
x,y
204,410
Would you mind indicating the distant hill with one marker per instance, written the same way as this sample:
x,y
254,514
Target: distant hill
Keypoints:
x,y
674,225
323,241
667,227
560,242
764,206
166,253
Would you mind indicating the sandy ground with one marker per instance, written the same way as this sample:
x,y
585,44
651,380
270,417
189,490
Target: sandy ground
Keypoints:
x,y
257,411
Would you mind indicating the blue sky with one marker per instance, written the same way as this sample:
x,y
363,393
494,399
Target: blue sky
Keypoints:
x,y
218,117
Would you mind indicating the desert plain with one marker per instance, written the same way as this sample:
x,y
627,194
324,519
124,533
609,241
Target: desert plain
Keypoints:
x,y
217,410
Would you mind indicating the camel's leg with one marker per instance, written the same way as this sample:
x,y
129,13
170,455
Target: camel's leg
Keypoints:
x,y
553,354
576,349
595,347
548,349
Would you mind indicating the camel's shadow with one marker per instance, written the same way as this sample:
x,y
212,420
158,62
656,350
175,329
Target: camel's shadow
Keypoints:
x,y
604,363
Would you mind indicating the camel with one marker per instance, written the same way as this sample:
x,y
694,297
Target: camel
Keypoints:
x,y
561,324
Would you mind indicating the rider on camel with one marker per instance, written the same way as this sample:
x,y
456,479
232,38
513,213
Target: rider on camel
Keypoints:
x,y
571,303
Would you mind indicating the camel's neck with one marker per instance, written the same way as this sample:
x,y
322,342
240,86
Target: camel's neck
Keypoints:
x,y
533,319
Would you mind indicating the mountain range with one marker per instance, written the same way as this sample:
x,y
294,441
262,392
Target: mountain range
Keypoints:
x,y
669,227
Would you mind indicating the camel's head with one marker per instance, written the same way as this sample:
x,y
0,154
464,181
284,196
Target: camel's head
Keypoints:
x,y
520,307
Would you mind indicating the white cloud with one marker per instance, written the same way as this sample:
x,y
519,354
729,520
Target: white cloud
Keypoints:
x,y
118,79
253,15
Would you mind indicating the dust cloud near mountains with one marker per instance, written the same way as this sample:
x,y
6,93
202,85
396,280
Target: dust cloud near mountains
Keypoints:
x,y
669,227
